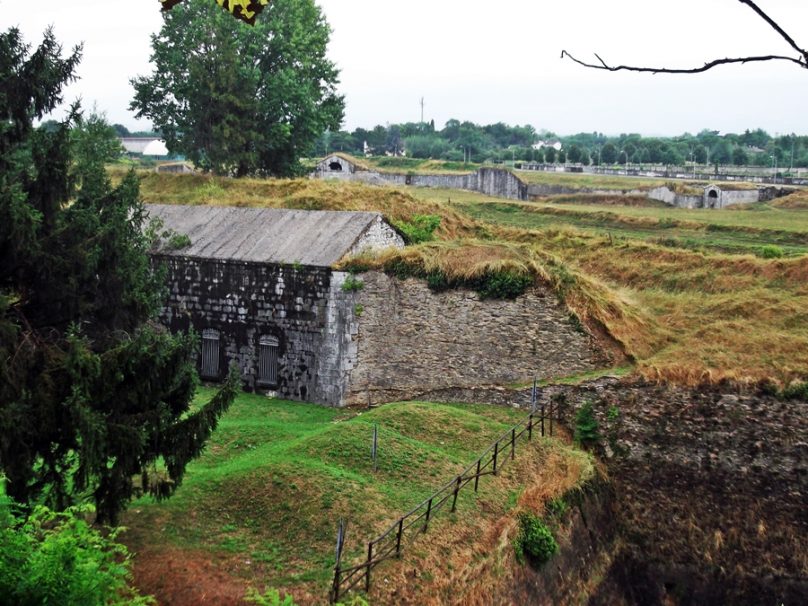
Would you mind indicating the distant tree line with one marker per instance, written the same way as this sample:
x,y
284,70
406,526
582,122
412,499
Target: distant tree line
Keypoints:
x,y
467,141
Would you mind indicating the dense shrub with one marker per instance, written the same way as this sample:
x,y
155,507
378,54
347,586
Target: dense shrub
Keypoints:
x,y
771,251
586,425
58,559
798,390
505,284
421,228
534,540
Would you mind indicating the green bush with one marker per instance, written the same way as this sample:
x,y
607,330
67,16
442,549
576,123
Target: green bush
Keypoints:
x,y
557,507
352,284
421,228
797,390
771,251
534,540
492,285
586,425
58,559
271,597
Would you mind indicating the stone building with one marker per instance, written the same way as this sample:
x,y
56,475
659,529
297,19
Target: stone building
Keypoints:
x,y
486,180
258,286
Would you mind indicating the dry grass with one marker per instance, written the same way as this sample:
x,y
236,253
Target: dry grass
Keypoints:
x,y
796,201
306,194
684,317
470,560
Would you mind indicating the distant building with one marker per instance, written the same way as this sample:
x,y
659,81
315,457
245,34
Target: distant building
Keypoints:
x,y
542,144
144,146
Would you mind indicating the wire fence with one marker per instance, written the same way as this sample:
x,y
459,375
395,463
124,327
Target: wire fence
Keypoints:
x,y
390,543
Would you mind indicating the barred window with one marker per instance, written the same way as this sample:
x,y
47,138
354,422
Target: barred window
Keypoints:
x,y
210,353
268,360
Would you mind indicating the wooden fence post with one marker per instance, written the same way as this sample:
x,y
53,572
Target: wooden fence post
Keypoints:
x,y
542,419
551,420
496,452
513,443
477,477
428,513
530,427
335,588
370,559
398,537
456,490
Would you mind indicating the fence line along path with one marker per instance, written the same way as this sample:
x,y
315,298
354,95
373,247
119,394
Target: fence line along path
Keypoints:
x,y
408,527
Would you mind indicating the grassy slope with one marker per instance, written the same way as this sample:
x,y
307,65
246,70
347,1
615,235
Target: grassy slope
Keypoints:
x,y
264,500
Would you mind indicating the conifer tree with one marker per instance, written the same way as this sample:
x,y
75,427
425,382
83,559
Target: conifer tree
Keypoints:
x,y
93,393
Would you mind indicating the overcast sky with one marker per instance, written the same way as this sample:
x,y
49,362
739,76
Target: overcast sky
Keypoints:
x,y
494,61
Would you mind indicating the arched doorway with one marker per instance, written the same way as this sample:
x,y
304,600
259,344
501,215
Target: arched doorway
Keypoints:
x,y
335,167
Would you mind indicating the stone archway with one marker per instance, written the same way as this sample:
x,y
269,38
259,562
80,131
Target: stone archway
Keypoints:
x,y
712,197
335,167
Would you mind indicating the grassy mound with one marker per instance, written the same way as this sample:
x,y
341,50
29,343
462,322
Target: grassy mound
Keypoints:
x,y
263,502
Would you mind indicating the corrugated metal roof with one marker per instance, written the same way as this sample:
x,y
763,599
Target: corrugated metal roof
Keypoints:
x,y
264,235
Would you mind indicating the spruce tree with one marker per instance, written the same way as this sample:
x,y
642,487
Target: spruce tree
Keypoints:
x,y
93,392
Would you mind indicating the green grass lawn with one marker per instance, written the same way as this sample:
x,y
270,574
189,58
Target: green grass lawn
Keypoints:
x,y
729,231
589,181
277,476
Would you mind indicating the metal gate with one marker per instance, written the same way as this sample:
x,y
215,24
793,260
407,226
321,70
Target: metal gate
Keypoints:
x,y
210,353
268,360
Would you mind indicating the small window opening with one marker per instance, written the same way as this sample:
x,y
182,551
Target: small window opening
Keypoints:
x,y
268,360
210,353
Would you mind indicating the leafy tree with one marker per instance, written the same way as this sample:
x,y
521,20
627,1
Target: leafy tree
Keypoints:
x,y
740,157
241,100
550,154
721,152
121,130
575,154
92,392
608,154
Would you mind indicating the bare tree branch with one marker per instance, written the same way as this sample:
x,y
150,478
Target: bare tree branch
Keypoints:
x,y
695,70
802,60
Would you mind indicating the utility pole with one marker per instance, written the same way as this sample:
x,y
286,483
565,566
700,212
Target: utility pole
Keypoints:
x,y
422,110
791,167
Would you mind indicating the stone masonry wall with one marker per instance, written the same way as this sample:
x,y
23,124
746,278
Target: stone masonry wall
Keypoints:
x,y
490,181
412,341
379,235
300,306
712,487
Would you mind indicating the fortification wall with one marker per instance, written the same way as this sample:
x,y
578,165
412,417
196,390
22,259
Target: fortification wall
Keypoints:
x,y
711,488
302,307
490,181
412,340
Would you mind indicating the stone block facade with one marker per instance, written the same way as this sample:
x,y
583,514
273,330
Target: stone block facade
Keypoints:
x,y
244,302
412,341
388,340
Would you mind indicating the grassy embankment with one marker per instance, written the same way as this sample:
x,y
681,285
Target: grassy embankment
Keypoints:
x,y
686,293
261,506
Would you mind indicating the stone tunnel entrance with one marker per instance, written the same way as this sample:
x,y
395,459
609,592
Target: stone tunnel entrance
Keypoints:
x,y
712,198
335,167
